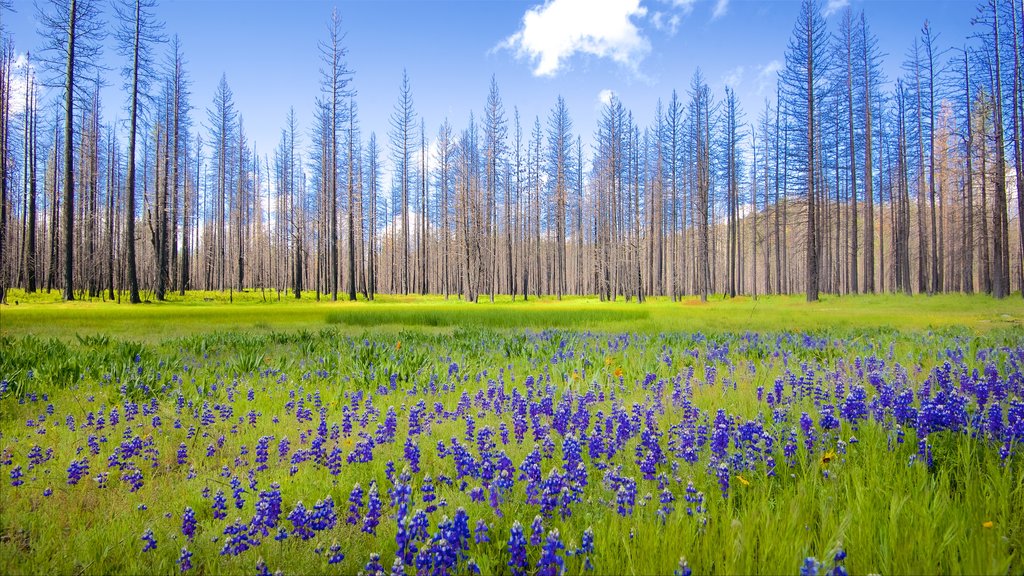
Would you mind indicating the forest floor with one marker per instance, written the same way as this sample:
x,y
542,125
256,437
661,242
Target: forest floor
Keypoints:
x,y
46,315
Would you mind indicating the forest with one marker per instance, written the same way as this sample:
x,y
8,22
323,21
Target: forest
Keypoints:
x,y
847,181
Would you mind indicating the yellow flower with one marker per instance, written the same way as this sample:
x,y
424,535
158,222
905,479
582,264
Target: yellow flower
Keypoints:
x,y
607,360
827,457
618,372
399,345
743,480
988,524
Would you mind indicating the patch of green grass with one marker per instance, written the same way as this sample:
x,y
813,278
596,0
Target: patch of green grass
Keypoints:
x,y
199,312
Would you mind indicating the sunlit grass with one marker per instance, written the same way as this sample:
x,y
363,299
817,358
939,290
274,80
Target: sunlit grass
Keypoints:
x,y
45,315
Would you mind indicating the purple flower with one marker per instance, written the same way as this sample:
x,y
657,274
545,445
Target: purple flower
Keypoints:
x,y
185,560
149,539
373,509
76,471
355,499
517,551
810,566
536,531
551,562
373,567
336,554
480,533
188,523
239,538
220,506
17,475
412,454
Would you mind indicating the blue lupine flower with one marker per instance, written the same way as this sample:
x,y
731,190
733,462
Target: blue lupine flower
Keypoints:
x,y
239,538
810,566
17,475
551,562
480,533
220,506
149,539
188,523
77,470
185,560
336,555
373,509
373,567
536,531
517,551
355,499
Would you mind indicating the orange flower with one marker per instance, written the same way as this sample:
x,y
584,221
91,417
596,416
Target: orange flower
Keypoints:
x,y
399,345
618,372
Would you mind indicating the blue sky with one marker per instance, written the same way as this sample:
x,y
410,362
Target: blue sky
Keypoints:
x,y
639,49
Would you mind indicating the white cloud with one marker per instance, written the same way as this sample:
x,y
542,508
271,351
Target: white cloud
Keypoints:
x,y
19,85
733,78
767,76
551,34
834,6
685,5
604,97
665,23
721,7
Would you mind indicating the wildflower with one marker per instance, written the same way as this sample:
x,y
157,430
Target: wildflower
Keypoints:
x,y
355,504
551,563
536,531
76,471
133,478
683,569
373,567
336,554
149,539
987,524
373,509
188,523
810,566
481,535
220,506
742,480
517,551
17,475
185,560
723,479
238,539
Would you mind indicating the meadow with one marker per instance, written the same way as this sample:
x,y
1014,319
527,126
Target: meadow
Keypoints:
x,y
858,435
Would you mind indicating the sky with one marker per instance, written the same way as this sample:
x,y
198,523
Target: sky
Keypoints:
x,y
583,50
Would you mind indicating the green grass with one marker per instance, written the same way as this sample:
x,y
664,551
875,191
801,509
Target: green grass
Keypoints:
x,y
45,315
891,513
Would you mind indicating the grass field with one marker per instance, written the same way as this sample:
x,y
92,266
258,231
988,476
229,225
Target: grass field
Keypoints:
x,y
864,434
45,315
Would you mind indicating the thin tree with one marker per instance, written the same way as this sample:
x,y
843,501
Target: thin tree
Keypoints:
x,y
805,65
402,147
73,33
137,32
